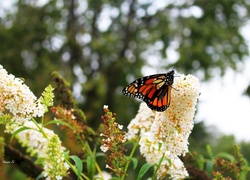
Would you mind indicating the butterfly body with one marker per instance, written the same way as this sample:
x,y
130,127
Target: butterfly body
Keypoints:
x,y
155,90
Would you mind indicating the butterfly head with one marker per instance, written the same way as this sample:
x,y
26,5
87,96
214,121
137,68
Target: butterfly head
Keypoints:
x,y
170,77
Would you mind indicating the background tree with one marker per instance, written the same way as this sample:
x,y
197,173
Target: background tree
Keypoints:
x,y
100,46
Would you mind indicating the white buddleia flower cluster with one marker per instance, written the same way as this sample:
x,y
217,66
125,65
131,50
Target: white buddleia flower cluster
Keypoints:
x,y
17,100
18,108
164,135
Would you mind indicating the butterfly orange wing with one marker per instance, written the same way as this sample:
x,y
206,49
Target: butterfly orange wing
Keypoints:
x,y
155,90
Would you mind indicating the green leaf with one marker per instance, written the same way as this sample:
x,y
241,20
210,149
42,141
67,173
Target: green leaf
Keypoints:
x,y
18,131
143,170
41,176
135,162
78,163
209,167
57,122
200,161
226,156
209,151
100,154
91,166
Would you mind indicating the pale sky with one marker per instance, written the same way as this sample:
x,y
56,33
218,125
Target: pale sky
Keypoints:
x,y
223,104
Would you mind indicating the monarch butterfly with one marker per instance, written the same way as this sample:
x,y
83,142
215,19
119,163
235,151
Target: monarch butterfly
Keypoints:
x,y
155,90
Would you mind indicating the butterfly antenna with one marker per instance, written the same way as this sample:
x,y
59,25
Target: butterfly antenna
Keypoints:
x,y
174,88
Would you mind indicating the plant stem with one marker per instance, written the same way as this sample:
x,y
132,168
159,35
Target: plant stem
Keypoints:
x,y
130,157
158,166
76,172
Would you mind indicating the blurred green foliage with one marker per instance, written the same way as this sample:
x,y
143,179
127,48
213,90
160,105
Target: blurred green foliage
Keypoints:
x,y
100,46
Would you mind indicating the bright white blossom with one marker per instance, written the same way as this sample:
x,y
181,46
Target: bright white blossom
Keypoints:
x,y
22,106
142,122
17,99
105,176
120,126
32,138
104,148
105,106
48,148
165,134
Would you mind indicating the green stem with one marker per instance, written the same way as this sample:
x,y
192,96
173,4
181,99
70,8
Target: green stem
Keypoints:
x,y
40,128
42,120
130,157
99,170
158,166
91,153
73,168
